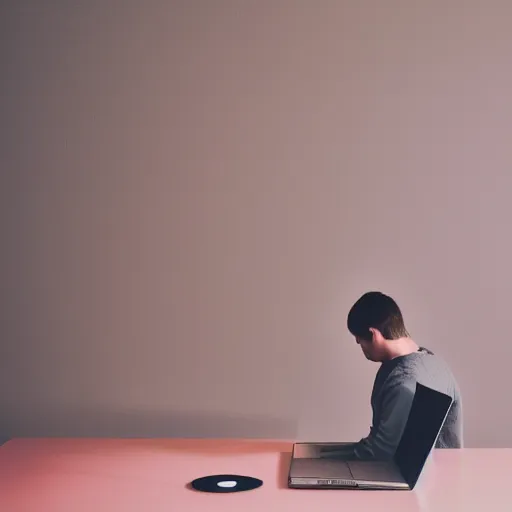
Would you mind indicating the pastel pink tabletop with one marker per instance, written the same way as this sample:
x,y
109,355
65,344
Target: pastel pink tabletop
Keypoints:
x,y
128,475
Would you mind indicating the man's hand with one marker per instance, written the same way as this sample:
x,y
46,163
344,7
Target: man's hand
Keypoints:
x,y
343,451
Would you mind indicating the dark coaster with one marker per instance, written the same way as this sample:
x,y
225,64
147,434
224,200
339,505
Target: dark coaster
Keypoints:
x,y
226,483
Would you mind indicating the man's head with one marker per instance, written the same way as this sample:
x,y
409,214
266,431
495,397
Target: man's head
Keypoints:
x,y
375,320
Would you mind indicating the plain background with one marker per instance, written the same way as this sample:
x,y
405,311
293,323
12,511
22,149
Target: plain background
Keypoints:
x,y
194,193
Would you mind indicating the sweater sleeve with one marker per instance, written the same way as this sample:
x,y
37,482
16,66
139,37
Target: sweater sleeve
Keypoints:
x,y
384,438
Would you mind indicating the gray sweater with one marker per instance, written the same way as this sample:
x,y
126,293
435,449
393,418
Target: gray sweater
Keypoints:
x,y
392,395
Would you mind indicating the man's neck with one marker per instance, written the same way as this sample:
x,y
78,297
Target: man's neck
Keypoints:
x,y
400,347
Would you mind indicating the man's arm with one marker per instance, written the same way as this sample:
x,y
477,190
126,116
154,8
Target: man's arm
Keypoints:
x,y
384,438
344,451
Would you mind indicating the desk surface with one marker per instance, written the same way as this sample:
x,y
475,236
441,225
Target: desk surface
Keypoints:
x,y
128,475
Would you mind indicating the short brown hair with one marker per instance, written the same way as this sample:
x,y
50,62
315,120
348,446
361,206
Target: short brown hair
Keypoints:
x,y
379,311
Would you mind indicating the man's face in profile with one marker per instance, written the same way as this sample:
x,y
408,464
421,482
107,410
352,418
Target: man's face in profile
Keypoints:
x,y
367,348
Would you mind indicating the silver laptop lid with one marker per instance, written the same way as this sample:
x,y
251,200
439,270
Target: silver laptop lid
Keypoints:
x,y
426,418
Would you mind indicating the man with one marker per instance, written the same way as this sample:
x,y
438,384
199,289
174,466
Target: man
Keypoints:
x,y
376,322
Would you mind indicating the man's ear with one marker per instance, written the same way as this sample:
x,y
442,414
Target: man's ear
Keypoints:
x,y
374,333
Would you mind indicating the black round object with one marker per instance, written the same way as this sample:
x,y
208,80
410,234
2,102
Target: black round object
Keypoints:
x,y
226,483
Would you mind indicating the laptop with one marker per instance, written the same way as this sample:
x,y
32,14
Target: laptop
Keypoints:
x,y
311,469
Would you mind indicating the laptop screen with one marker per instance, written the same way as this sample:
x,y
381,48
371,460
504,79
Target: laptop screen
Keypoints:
x,y
426,417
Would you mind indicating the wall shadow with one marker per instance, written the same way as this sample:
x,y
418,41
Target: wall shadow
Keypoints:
x,y
103,422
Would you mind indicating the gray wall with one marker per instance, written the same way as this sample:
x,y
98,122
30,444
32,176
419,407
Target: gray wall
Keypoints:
x,y
193,193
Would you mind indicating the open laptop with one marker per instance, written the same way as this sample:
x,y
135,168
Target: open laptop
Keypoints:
x,y
309,468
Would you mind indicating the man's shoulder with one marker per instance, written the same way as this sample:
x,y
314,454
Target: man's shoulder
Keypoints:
x,y
429,369
401,378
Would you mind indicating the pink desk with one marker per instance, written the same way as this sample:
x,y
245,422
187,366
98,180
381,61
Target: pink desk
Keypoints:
x,y
96,475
